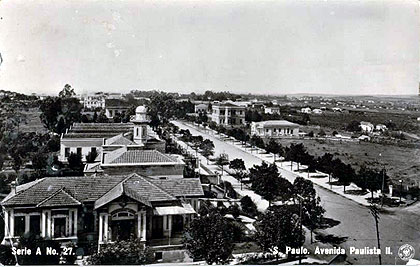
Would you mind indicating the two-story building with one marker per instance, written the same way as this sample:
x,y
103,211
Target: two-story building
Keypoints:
x,y
228,114
275,129
115,106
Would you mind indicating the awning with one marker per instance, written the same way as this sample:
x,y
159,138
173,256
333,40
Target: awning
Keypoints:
x,y
174,210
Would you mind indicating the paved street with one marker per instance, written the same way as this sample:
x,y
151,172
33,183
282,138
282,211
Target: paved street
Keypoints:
x,y
396,228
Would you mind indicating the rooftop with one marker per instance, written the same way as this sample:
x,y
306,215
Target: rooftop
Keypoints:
x,y
126,155
276,123
65,191
112,102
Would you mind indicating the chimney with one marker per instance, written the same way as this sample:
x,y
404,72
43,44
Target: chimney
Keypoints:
x,y
13,187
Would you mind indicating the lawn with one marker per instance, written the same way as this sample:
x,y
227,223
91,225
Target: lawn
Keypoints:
x,y
400,162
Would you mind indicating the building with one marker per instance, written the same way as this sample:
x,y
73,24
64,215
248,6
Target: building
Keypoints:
x,y
366,127
317,111
306,110
228,114
102,209
201,108
274,129
94,102
380,127
272,110
115,106
131,159
83,138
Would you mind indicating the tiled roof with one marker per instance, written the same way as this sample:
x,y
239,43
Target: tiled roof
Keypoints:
x,y
59,199
65,191
277,123
128,156
119,140
181,187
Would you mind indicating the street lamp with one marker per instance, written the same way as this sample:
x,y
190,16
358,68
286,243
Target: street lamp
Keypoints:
x,y
400,189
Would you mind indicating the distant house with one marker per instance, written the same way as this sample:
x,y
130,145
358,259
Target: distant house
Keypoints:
x,y
201,108
317,111
272,110
366,127
335,109
115,106
228,114
380,127
306,110
92,102
274,129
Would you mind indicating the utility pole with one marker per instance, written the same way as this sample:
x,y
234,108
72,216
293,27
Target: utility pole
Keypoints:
x,y
375,213
300,225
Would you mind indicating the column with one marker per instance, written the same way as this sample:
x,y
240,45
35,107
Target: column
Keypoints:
x,y
27,223
143,232
12,223
6,222
43,223
106,227
170,225
101,223
70,226
139,225
50,224
75,223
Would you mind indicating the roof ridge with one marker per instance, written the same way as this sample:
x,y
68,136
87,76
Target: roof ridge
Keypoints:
x,y
149,181
122,181
61,189
9,196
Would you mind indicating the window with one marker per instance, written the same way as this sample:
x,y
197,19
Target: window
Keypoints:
x,y
35,224
19,225
60,227
67,152
93,149
79,151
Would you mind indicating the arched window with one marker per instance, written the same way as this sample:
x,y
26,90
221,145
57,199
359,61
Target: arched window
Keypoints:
x,y
123,215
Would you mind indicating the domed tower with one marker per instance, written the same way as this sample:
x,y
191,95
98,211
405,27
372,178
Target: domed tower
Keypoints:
x,y
140,125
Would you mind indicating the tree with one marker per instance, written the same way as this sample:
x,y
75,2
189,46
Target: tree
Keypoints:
x,y
312,211
248,206
344,172
273,147
17,161
130,252
67,92
222,160
75,162
91,156
257,141
207,149
211,238
353,126
39,161
267,182
279,227
296,153
373,179
238,165
58,113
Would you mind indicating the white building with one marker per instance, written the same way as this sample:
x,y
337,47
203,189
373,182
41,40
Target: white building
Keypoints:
x,y
380,127
317,111
228,114
306,110
274,128
272,110
366,127
93,102
201,108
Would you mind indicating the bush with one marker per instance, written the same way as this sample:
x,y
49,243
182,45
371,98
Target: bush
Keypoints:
x,y
248,206
6,256
130,252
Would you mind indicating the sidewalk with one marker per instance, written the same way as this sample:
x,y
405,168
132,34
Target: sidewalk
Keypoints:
x,y
318,178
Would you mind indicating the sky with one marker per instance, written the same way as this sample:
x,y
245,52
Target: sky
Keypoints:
x,y
242,46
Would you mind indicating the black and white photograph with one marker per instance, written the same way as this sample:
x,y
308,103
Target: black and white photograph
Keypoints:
x,y
210,132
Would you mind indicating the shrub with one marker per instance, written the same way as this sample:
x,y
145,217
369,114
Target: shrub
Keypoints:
x,y
33,242
6,256
248,206
130,252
